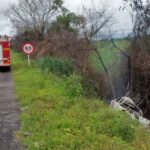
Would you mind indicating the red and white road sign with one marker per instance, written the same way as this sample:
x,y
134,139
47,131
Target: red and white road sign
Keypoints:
x,y
28,48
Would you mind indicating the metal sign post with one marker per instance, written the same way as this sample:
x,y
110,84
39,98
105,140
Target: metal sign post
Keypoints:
x,y
29,64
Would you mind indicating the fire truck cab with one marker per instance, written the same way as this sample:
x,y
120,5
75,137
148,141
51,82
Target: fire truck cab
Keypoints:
x,y
5,52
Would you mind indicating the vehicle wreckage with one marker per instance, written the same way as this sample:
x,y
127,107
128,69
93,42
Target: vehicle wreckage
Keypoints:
x,y
127,105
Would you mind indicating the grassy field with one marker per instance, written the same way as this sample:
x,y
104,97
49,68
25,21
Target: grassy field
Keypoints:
x,y
53,118
110,55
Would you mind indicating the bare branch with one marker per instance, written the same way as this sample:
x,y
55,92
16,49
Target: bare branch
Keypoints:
x,y
34,14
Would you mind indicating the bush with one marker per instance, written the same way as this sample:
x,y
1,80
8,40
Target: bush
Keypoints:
x,y
57,66
89,88
94,85
73,86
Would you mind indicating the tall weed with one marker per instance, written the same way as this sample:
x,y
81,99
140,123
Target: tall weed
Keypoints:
x,y
57,66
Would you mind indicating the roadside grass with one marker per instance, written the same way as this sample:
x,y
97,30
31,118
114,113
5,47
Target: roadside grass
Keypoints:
x,y
53,119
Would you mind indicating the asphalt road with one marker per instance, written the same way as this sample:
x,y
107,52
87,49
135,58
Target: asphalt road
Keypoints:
x,y
9,114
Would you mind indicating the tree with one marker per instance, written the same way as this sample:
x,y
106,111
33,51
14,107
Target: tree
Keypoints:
x,y
97,17
141,17
67,21
141,53
34,15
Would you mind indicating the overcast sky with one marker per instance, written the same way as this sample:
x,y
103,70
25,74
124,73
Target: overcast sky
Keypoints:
x,y
123,20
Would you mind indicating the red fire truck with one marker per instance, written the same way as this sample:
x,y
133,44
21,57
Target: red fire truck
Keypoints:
x,y
5,52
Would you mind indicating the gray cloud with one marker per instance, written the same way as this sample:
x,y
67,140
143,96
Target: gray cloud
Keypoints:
x,y
123,20
5,4
5,25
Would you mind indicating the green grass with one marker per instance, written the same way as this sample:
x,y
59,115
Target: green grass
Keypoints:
x,y
51,119
110,55
57,66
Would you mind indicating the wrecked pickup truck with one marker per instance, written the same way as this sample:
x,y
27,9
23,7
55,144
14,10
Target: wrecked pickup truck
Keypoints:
x,y
127,105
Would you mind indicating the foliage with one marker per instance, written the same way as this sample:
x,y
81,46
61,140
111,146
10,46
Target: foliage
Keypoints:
x,y
67,21
57,66
50,120
59,32
73,86
115,63
93,84
97,18
89,87
141,16
140,62
34,15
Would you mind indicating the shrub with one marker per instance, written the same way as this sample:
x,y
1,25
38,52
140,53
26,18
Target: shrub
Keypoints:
x,y
73,86
57,66
94,84
89,87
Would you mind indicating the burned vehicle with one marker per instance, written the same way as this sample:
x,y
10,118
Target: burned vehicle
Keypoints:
x,y
127,105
